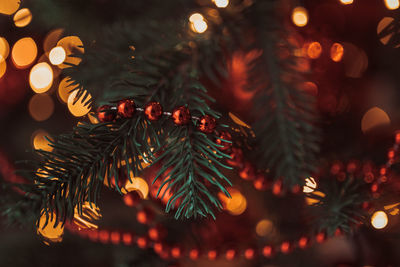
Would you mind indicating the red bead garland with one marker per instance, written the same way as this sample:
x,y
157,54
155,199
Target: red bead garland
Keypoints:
x,y
220,141
207,124
153,111
126,108
181,115
105,113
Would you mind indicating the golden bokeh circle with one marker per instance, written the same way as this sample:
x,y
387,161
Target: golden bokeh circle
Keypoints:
x,y
72,46
373,118
65,88
4,49
77,107
57,55
41,107
41,77
24,52
300,16
3,68
39,140
48,229
23,17
8,7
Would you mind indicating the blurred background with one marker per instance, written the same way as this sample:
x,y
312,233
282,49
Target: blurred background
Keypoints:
x,y
354,72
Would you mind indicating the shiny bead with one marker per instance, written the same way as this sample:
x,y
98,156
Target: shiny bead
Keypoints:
x,y
153,111
260,183
106,114
126,108
303,242
207,124
249,254
181,115
176,252
285,247
224,145
320,237
212,254
131,199
247,172
230,254
194,254
267,251
236,158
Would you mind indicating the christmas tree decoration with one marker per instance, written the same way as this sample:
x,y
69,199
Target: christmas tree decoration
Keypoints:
x,y
224,140
87,216
181,115
126,108
153,111
106,114
206,124
49,228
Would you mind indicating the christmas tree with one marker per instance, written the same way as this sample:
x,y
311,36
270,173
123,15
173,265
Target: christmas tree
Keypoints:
x,y
208,132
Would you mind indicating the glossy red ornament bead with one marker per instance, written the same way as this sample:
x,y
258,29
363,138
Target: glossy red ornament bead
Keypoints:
x,y
181,115
303,242
247,172
207,124
142,242
391,154
267,251
320,237
374,187
153,111
249,254
106,114
176,252
212,254
236,158
127,238
131,199
158,247
230,254
225,145
194,254
285,247
126,108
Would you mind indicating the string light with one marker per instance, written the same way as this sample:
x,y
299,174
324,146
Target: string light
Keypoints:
x,y
48,229
392,4
8,7
221,3
72,45
310,185
41,77
4,49
264,228
300,16
139,185
57,55
337,51
379,219
24,52
314,50
23,17
346,2
197,23
235,205
89,213
39,141
77,107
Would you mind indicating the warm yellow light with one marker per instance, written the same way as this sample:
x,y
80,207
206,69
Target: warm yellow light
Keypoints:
x,y
138,184
310,185
337,51
40,107
65,88
311,201
72,46
221,3
8,7
373,118
235,205
196,17
264,228
23,17
57,55
78,109
41,77
24,52
3,68
379,219
199,26
39,141
50,232
300,16
346,2
4,49
392,4
314,50
90,214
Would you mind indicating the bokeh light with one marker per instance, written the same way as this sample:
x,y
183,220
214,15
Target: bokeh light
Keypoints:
x,y
51,39
300,16
310,185
86,219
235,205
24,52
392,4
221,3
355,61
346,2
385,26
309,88
41,77
39,140
77,107
41,107
195,17
4,49
313,200
197,23
3,68
264,228
139,185
65,88
8,7
72,45
23,17
50,231
314,50
373,118
57,55
337,51
379,219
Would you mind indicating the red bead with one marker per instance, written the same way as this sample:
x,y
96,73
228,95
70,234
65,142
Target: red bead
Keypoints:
x,y
104,236
157,233
142,242
320,237
277,188
397,137
391,154
194,254
207,124
285,247
303,242
144,216
153,111
247,172
267,251
127,238
224,145
249,253
106,114
131,199
158,247
126,108
338,232
115,237
176,252
374,187
181,115
296,189
236,158
230,254
212,254
260,183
